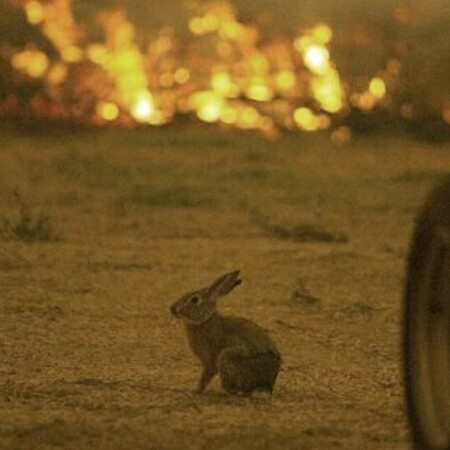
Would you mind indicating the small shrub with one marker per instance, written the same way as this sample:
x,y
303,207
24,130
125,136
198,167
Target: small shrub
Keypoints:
x,y
306,232
29,226
421,176
184,196
301,232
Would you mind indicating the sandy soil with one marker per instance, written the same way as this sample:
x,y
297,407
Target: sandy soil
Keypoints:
x,y
92,359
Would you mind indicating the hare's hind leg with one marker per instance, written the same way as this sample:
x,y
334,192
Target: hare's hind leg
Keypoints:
x,y
242,372
233,370
266,367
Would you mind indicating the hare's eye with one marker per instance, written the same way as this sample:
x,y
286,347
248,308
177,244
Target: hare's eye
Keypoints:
x,y
195,300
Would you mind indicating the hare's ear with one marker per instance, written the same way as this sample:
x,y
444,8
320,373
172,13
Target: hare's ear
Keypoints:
x,y
224,284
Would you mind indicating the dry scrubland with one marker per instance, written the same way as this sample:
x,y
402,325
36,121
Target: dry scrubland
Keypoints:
x,y
103,230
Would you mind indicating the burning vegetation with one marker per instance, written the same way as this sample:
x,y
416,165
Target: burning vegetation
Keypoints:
x,y
226,72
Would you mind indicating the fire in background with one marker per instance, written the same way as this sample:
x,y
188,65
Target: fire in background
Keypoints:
x,y
227,72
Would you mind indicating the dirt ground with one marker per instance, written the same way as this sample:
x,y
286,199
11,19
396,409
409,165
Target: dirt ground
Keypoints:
x,y
91,357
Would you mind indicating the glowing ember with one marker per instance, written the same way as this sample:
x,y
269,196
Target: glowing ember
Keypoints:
x,y
322,33
326,85
306,119
258,90
368,99
328,91
32,62
35,12
377,87
143,108
229,115
121,58
71,54
60,26
181,75
317,59
108,111
248,118
208,105
285,80
222,84
203,25
57,74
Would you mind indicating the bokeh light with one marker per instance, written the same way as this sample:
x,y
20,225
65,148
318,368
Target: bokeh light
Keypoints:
x,y
226,71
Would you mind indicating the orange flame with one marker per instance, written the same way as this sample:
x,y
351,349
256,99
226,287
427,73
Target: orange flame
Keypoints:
x,y
325,84
241,82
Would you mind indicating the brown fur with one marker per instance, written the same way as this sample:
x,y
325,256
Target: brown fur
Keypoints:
x,y
239,350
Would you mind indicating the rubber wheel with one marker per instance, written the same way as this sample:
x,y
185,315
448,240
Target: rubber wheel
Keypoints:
x,y
427,324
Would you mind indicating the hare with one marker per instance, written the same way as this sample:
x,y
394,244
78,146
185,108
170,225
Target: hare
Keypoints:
x,y
241,352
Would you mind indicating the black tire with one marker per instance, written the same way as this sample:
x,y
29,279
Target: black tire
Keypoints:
x,y
427,324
